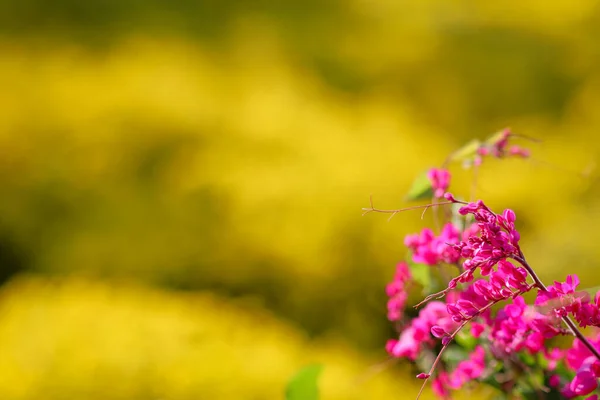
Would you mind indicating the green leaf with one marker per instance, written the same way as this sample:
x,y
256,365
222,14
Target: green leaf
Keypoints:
x,y
495,138
467,152
420,189
466,340
454,354
421,274
528,359
303,386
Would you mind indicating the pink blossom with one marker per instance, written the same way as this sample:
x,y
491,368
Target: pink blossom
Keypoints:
x,y
499,148
396,290
477,329
418,335
519,151
554,356
516,327
469,369
497,238
440,385
584,383
431,250
440,181
587,368
554,381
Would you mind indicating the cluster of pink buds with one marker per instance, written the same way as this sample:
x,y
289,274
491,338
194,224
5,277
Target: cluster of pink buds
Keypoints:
x,y
563,300
498,148
440,181
508,343
429,249
397,292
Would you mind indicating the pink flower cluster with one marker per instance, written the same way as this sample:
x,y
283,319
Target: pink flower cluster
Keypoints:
x,y
506,334
429,249
563,300
466,371
586,367
516,328
397,293
486,247
418,335
500,149
440,181
498,238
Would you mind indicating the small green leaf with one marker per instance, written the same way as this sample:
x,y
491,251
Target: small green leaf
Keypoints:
x,y
454,354
495,138
420,189
466,340
303,386
467,152
421,274
528,359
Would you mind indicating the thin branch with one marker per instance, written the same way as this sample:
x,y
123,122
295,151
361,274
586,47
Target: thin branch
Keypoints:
x,y
372,208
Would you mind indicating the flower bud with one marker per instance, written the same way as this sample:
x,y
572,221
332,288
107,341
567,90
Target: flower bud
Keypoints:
x,y
438,331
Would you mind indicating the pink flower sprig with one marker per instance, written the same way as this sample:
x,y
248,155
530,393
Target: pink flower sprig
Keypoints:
x,y
440,181
586,367
562,300
429,249
496,239
499,148
397,292
447,339
516,334
419,335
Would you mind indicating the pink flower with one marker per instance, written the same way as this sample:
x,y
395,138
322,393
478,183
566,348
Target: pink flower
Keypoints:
x,y
477,329
554,381
407,346
584,383
497,238
440,181
518,151
431,250
499,148
440,385
396,290
469,369
418,334
516,327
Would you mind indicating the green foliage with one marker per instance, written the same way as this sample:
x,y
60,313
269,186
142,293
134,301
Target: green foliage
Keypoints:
x,y
466,152
304,385
466,340
420,189
421,274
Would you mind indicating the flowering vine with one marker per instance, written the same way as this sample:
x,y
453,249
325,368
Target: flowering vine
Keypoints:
x,y
480,326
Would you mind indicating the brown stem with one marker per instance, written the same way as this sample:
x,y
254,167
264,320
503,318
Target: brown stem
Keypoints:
x,y
373,209
540,285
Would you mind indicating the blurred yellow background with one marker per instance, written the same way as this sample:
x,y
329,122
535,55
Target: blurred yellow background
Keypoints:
x,y
181,182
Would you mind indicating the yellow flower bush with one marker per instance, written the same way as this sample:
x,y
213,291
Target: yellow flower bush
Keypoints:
x,y
74,339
